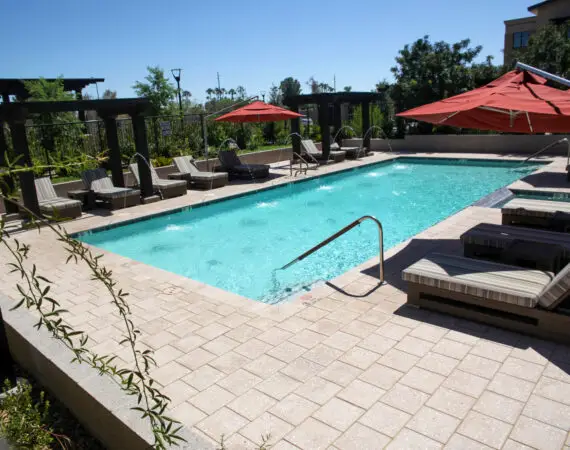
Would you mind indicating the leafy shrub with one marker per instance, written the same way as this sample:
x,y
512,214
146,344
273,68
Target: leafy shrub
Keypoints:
x,y
161,161
22,421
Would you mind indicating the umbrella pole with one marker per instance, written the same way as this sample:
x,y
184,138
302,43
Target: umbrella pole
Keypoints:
x,y
205,139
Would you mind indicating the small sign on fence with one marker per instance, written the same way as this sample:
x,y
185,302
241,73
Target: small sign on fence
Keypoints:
x,y
165,128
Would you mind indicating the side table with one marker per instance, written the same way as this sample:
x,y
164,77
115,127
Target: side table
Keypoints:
x,y
85,196
535,255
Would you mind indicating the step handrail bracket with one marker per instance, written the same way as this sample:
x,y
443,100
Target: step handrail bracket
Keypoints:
x,y
340,233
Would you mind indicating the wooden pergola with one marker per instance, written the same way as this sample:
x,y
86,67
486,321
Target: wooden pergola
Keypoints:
x,y
323,101
16,114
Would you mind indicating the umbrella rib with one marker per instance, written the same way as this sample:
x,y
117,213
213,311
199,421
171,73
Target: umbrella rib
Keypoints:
x,y
529,124
552,105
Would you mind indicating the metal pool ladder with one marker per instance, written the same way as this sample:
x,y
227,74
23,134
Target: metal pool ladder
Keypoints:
x,y
340,233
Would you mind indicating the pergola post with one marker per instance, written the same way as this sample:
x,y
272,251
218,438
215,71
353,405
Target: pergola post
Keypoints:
x,y
143,157
22,151
337,120
80,114
6,182
325,129
365,105
114,150
295,128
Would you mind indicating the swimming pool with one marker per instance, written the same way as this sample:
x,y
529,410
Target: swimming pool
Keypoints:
x,y
237,244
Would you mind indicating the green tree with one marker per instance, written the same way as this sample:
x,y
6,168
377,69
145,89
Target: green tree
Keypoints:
x,y
42,90
275,95
157,89
484,73
347,88
109,94
548,49
289,87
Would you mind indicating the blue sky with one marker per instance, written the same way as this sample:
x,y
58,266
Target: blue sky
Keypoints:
x,y
252,43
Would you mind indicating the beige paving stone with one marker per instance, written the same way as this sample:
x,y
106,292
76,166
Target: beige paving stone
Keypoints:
x,y
274,336
410,440
359,329
264,366
266,425
338,414
312,314
307,338
459,442
188,414
513,445
253,348
196,358
212,399
537,434
189,343
284,445
393,331
381,376
548,411
522,369
329,304
342,341
318,390
451,348
499,407
433,424
313,434
239,381
294,324
361,394
203,377
243,333
325,326
278,386
220,345
451,402
238,441
233,320
166,354
476,365
169,373
485,429
537,355
423,380
252,404
360,437
462,336
398,360
491,350
511,387
414,346
375,317
178,392
438,363
223,422
183,329
340,373
262,323
360,357
554,390
405,398
558,371
466,383
302,369
294,409
322,354
429,333
229,362
344,315
287,351
377,343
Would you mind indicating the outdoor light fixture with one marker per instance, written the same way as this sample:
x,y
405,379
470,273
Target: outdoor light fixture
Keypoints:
x,y
176,74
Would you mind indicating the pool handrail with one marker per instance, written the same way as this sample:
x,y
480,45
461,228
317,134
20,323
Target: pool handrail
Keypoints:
x,y
552,144
340,233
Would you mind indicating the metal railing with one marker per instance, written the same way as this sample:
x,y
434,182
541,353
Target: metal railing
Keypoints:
x,y
340,233
301,161
560,141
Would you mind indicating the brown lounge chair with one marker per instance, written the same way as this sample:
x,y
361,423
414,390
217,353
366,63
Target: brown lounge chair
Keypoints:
x,y
351,152
231,164
166,188
309,148
112,197
53,205
188,171
537,213
524,300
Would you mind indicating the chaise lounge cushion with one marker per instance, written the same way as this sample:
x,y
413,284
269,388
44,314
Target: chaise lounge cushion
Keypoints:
x,y
537,208
185,165
484,279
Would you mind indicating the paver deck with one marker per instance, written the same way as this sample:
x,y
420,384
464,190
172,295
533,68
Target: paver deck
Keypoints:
x,y
347,365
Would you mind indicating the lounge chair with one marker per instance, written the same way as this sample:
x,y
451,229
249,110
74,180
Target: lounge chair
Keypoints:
x,y
525,300
166,188
53,205
491,240
113,197
351,152
231,164
311,149
188,171
538,213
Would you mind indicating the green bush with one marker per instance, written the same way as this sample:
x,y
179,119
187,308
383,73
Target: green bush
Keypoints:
x,y
22,422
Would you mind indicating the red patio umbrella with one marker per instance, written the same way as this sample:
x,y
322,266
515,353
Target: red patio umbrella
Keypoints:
x,y
258,112
517,102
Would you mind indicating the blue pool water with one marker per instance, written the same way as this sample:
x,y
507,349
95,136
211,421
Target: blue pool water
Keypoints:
x,y
237,244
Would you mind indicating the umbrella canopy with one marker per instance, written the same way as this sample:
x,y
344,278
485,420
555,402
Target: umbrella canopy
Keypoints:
x,y
258,112
517,102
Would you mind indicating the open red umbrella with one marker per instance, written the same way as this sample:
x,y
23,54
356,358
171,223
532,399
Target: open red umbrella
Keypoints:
x,y
517,102
258,112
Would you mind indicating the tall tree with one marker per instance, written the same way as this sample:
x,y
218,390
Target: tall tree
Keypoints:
x,y
289,87
232,92
157,88
548,49
42,90
275,96
109,94
347,88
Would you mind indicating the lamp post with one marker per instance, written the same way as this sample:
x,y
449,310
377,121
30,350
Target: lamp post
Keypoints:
x,y
176,74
